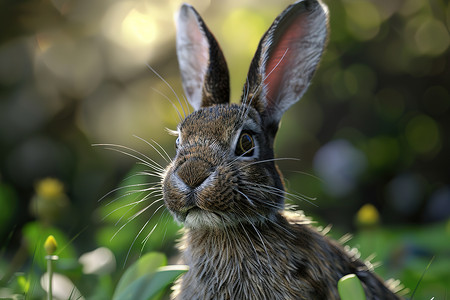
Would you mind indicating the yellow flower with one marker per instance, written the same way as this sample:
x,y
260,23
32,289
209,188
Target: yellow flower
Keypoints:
x,y
50,201
367,215
49,188
50,245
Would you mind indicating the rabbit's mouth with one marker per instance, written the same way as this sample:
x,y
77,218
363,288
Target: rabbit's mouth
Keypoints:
x,y
197,217
194,210
199,200
218,201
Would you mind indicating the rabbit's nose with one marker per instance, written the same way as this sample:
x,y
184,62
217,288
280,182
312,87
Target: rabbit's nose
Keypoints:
x,y
194,172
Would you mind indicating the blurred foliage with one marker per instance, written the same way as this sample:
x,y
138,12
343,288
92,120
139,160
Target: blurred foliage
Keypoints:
x,y
372,129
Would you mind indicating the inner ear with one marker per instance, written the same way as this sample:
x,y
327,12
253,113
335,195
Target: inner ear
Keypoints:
x,y
204,71
286,59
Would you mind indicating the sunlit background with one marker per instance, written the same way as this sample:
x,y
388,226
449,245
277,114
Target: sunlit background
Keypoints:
x,y
373,128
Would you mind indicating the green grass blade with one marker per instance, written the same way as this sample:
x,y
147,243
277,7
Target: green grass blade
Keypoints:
x,y
150,286
350,288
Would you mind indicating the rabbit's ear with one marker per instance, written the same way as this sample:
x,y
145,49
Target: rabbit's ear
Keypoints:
x,y
286,59
204,72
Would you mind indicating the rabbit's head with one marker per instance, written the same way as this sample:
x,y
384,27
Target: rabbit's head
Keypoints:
x,y
224,171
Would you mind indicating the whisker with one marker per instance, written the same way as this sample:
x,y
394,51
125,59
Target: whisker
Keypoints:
x,y
138,173
134,217
165,214
134,240
151,186
140,160
262,242
244,105
239,245
269,160
145,209
151,217
127,194
248,199
149,162
120,219
169,86
149,173
297,196
253,193
250,240
257,232
143,227
282,193
144,241
276,66
187,105
171,102
131,218
133,204
268,219
165,233
166,156
240,156
121,188
227,235
261,85
310,175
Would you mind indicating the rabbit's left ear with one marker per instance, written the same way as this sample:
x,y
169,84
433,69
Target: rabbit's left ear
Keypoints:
x,y
204,72
286,59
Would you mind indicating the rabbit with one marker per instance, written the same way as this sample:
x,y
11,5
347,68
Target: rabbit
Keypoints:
x,y
238,240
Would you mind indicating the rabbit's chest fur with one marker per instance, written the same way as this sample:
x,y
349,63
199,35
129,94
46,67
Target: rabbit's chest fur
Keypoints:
x,y
280,259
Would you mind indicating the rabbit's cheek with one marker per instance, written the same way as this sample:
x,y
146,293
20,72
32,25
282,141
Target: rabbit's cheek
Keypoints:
x,y
215,198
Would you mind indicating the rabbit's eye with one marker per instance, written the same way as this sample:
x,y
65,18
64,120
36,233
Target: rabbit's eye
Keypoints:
x,y
245,145
177,142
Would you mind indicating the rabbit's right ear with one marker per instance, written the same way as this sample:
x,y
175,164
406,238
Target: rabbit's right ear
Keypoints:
x,y
204,72
286,59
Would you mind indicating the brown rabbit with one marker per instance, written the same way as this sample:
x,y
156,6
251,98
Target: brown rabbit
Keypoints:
x,y
223,184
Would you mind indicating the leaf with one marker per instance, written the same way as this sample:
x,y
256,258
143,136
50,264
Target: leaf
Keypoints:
x,y
350,288
146,265
150,286
24,283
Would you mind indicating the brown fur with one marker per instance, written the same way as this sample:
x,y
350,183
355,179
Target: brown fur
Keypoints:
x,y
279,259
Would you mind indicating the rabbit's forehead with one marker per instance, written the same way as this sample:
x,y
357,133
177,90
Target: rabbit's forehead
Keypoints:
x,y
218,122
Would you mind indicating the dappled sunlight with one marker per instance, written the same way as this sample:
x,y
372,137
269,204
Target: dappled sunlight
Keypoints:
x,y
423,135
363,20
133,29
70,65
139,28
432,38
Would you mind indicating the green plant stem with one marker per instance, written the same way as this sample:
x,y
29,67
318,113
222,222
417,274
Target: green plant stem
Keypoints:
x,y
50,259
50,275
